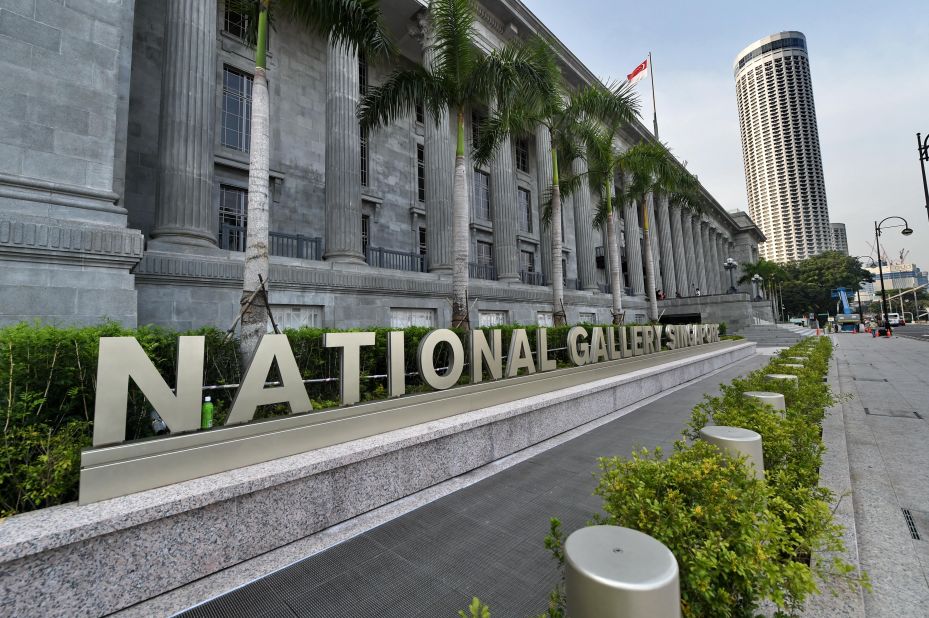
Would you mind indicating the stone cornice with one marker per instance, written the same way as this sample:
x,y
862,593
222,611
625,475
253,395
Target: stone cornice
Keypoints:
x,y
45,192
60,242
158,267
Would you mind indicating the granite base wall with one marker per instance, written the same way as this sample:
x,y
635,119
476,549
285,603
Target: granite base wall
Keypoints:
x,y
736,310
96,559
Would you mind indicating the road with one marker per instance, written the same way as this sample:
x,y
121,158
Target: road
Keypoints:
x,y
920,332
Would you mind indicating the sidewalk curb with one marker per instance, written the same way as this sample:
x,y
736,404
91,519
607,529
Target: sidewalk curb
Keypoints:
x,y
835,474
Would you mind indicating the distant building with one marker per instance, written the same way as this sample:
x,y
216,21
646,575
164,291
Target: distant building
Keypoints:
x,y
780,147
897,277
839,238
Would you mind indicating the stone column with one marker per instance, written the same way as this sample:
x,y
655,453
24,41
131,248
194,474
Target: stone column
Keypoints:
x,y
666,243
690,250
504,212
653,236
713,271
584,231
184,212
343,157
679,255
707,258
440,167
723,275
700,280
633,250
543,162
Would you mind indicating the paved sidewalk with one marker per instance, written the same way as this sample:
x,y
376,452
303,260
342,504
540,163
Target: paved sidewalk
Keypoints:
x,y
887,437
484,540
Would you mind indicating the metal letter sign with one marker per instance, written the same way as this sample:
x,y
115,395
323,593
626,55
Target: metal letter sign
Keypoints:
x,y
112,468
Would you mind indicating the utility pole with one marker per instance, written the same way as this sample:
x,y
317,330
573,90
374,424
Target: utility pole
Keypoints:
x,y
922,147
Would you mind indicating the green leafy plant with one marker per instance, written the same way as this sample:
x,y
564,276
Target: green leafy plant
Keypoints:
x,y
476,610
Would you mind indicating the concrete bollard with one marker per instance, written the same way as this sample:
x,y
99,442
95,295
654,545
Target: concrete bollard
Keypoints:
x,y
737,441
775,400
782,376
614,572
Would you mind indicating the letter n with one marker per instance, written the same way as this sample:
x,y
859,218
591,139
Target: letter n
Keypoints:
x,y
122,358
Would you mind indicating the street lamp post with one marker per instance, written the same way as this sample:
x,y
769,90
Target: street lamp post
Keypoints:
x,y
756,287
906,231
858,291
922,147
730,265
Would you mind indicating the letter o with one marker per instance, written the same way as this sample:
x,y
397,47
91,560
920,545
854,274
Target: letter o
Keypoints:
x,y
426,359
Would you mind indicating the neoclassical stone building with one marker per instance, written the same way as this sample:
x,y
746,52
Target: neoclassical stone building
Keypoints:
x,y
124,136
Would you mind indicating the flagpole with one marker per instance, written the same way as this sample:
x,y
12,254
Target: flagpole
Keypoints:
x,y
651,73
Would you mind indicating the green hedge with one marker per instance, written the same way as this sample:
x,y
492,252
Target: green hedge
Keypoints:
x,y
47,387
738,541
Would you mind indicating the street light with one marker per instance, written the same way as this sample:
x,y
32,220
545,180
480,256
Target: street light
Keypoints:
x,y
756,286
922,147
858,291
906,231
730,265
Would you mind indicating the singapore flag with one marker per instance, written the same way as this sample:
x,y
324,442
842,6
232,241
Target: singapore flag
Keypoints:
x,y
639,73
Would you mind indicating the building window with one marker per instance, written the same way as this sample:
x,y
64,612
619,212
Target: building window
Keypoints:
x,y
522,155
237,109
525,210
233,217
363,138
401,317
422,241
527,261
235,23
477,121
586,317
296,316
420,113
482,195
421,172
545,319
489,319
485,253
365,233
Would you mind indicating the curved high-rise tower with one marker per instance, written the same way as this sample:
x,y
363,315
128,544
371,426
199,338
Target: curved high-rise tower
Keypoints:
x,y
780,145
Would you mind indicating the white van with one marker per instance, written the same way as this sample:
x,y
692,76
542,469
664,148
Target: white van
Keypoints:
x,y
893,319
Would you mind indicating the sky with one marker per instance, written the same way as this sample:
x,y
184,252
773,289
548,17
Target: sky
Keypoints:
x,y
870,67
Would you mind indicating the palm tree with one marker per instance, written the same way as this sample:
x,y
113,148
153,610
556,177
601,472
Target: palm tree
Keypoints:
x,y
651,169
352,23
572,120
462,76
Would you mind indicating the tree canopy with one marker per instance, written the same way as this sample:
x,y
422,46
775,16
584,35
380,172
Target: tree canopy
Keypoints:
x,y
806,285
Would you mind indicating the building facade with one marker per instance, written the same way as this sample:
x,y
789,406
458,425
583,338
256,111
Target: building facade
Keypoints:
x,y
124,185
780,147
839,238
897,278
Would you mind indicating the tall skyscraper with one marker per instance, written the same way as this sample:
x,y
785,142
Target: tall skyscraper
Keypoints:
x,y
780,146
839,238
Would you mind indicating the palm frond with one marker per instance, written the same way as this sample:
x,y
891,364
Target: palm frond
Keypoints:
x,y
455,53
398,96
357,24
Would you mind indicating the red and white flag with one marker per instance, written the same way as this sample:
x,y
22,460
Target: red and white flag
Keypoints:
x,y
639,73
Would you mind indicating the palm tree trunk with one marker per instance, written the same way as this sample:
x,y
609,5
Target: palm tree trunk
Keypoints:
x,y
558,313
254,319
649,264
616,276
460,234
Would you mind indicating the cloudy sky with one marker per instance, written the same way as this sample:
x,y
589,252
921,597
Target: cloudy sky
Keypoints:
x,y
870,68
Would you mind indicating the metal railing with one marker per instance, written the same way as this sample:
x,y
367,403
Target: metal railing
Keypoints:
x,y
233,237
395,260
482,271
531,278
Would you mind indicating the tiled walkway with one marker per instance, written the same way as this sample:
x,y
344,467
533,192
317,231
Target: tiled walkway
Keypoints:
x,y
484,540
887,433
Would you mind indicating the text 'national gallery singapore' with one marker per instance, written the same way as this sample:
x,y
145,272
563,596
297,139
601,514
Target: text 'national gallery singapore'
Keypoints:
x,y
124,153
